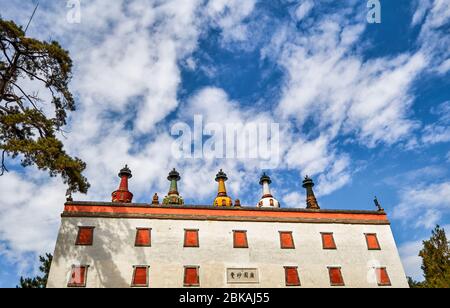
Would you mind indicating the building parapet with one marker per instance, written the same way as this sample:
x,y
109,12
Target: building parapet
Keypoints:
x,y
192,212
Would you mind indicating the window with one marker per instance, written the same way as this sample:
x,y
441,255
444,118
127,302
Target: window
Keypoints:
x,y
336,276
292,278
78,277
382,277
191,278
286,240
328,241
140,276
240,239
191,238
372,242
143,238
85,236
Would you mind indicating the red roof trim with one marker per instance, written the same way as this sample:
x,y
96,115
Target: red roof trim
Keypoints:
x,y
86,208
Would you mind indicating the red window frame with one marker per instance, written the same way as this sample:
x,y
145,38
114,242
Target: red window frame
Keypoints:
x,y
240,239
143,240
372,241
80,280
140,276
383,278
191,238
85,236
291,276
328,241
336,278
191,276
286,240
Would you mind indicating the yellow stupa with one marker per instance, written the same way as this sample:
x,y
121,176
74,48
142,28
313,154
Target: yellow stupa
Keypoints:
x,y
222,199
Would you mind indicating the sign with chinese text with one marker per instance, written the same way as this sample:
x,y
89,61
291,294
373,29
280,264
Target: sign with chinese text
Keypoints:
x,y
242,275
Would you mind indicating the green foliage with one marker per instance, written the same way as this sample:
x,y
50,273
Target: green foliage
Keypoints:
x,y
415,284
39,282
436,260
26,130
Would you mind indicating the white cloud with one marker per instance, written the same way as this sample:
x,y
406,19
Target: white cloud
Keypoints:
x,y
409,253
443,112
191,64
228,15
336,177
304,9
127,56
314,158
436,134
444,67
342,94
126,62
447,230
424,206
332,92
422,7
214,106
29,213
434,36
138,59
412,177
294,200
439,131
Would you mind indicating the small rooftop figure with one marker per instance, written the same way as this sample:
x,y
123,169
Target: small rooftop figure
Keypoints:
x,y
378,205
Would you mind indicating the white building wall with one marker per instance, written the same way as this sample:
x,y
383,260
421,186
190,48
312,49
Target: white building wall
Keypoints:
x,y
113,254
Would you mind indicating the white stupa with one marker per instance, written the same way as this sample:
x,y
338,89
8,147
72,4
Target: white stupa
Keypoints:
x,y
267,200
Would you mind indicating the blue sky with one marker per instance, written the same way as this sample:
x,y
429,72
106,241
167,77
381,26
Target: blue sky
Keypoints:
x,y
363,108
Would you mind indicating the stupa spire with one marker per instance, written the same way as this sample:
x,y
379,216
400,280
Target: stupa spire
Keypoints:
x,y
222,199
123,195
173,198
267,200
311,201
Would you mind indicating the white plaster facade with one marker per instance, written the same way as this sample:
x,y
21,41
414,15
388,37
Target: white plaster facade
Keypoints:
x,y
113,254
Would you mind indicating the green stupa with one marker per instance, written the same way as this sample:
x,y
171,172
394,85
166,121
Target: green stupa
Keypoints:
x,y
173,198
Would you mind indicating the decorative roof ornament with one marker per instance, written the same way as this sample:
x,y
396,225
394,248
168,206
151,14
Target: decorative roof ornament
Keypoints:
x,y
311,201
267,200
237,203
173,198
123,195
125,172
222,199
378,205
155,200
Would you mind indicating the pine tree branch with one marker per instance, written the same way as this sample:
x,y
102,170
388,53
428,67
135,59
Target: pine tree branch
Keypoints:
x,y
3,168
42,62
4,49
27,97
